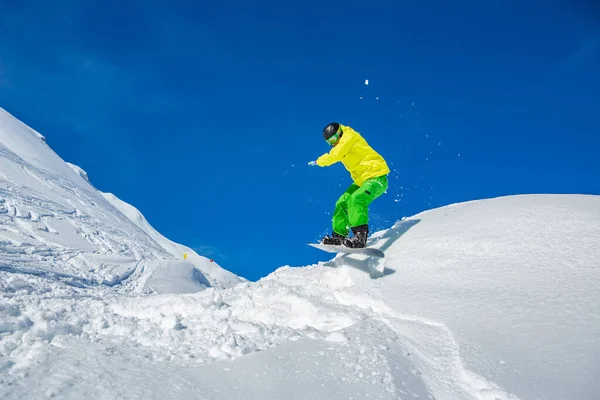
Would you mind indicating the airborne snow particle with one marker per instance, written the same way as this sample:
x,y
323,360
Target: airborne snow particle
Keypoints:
x,y
366,82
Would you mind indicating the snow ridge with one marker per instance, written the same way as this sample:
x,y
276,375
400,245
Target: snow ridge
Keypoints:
x,y
53,222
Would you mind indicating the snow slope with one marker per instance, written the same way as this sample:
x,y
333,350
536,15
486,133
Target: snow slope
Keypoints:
x,y
492,299
517,282
53,222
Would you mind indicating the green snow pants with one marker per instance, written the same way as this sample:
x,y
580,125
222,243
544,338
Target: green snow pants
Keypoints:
x,y
352,208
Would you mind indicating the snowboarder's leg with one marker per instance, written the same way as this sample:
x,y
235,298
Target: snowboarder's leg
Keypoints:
x,y
340,214
358,209
358,203
340,219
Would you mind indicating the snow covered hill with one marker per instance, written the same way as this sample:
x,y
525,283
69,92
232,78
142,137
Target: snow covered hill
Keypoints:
x,y
53,223
492,299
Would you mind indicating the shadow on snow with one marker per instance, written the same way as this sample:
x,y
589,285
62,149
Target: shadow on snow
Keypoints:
x,y
370,264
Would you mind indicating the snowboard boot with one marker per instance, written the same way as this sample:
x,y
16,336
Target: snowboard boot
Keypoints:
x,y
335,239
359,240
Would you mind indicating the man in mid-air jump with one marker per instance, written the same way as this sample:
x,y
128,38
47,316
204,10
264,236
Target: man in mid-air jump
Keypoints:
x,y
368,171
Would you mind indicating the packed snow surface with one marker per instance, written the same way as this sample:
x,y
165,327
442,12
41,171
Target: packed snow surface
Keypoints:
x,y
492,299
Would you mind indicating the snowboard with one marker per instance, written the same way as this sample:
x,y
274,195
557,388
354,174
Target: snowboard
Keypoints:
x,y
331,248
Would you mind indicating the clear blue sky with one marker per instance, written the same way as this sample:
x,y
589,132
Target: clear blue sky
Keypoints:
x,y
204,116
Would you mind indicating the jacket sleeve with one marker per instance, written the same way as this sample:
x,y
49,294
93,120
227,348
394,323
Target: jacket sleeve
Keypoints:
x,y
337,153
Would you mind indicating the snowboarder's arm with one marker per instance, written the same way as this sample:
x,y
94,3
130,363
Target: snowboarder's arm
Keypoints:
x,y
337,153
325,160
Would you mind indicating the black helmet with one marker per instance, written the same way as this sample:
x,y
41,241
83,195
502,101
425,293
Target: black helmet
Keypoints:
x,y
331,130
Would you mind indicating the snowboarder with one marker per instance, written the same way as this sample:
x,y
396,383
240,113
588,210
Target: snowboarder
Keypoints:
x,y
368,171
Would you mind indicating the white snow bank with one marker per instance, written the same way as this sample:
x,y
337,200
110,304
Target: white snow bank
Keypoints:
x,y
516,280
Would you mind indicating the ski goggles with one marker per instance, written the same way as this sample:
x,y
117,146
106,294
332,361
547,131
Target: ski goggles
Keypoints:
x,y
334,138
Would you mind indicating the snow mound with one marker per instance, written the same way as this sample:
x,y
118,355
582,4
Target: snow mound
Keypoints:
x,y
175,277
515,280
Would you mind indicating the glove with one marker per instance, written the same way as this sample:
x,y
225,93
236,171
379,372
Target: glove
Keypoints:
x,y
312,163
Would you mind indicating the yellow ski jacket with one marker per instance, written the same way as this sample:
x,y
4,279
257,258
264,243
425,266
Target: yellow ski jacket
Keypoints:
x,y
357,156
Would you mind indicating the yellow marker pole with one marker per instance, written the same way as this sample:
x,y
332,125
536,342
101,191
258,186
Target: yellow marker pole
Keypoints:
x,y
184,256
